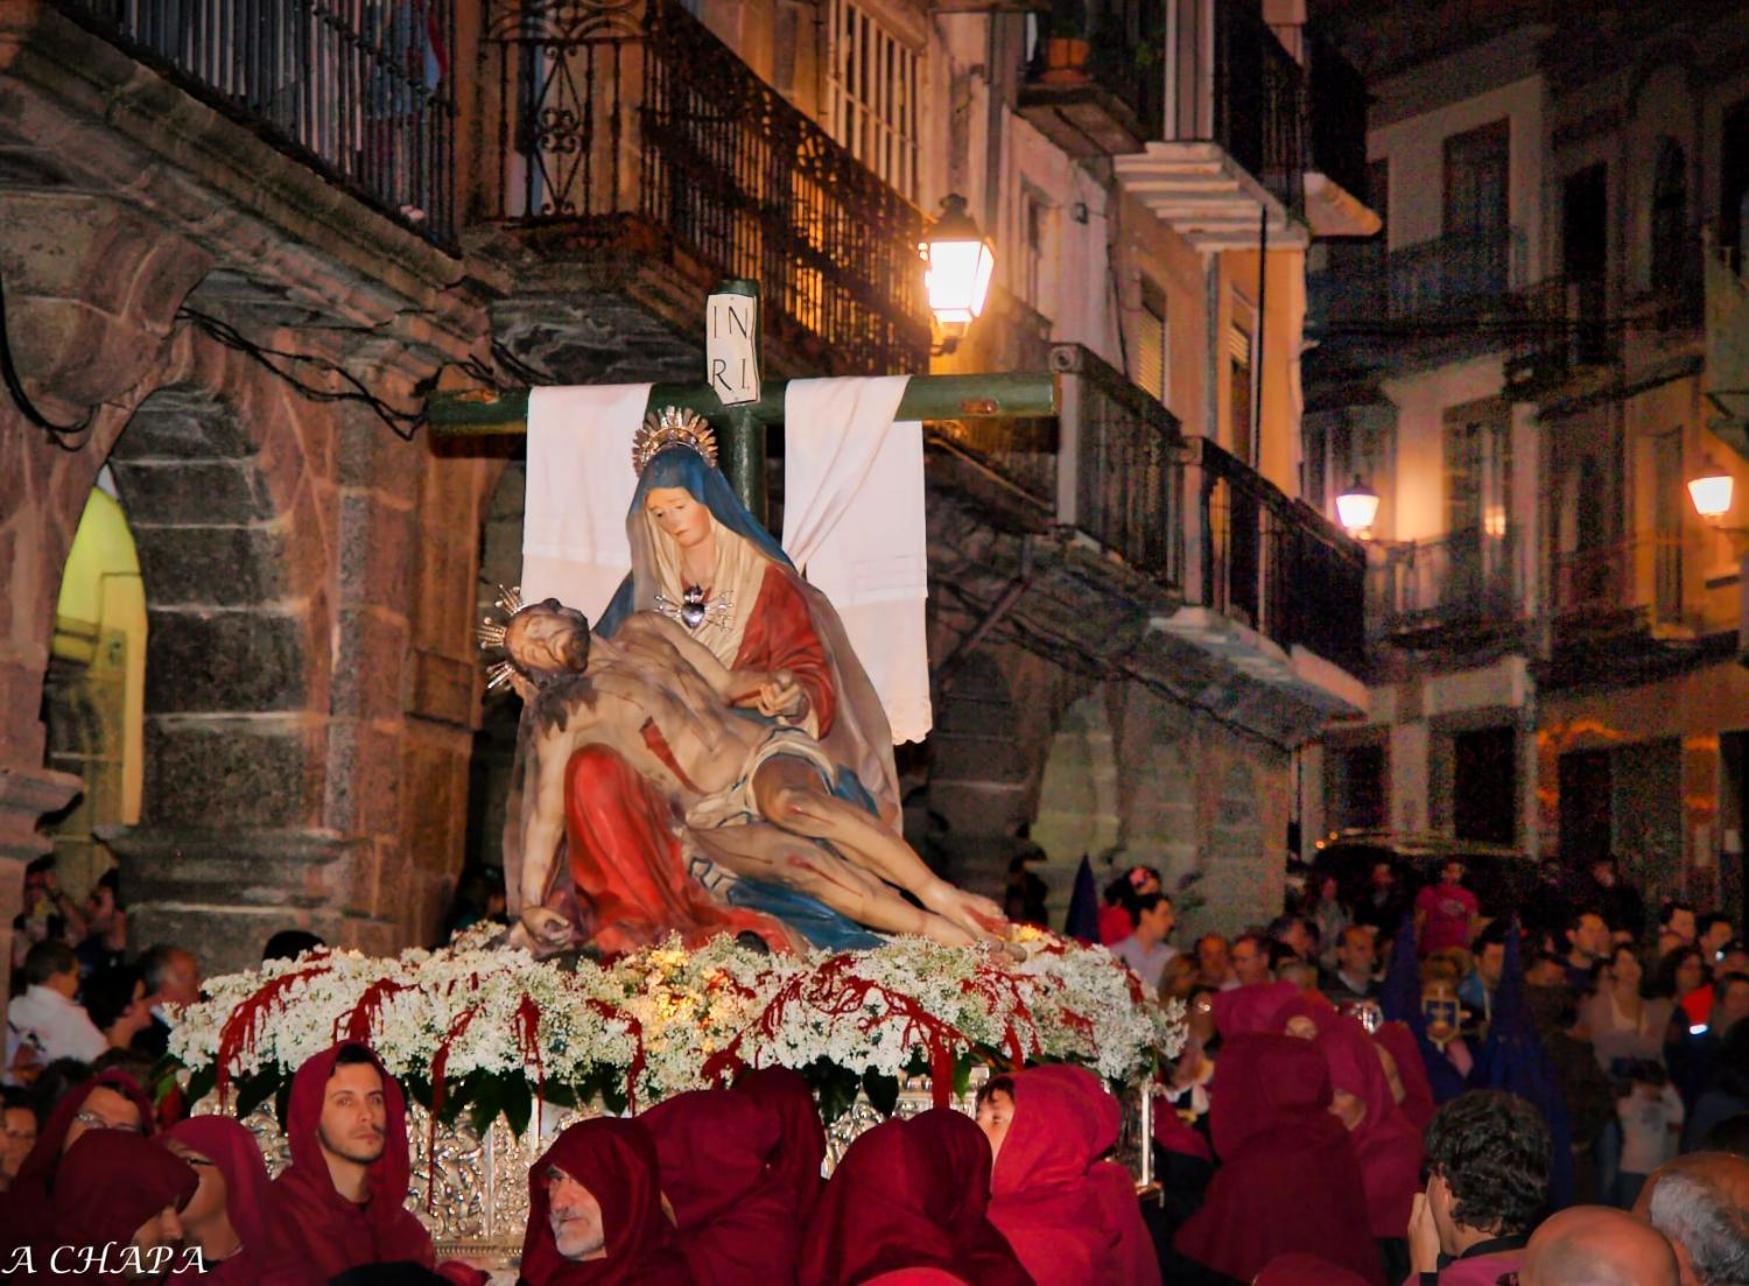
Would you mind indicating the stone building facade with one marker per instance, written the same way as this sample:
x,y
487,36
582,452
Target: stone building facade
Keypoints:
x,y
1555,629
235,289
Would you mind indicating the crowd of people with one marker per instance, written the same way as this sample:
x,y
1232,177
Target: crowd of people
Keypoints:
x,y
1486,1065
1384,1085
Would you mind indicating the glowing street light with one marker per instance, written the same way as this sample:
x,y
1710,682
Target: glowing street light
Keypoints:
x,y
960,264
1357,507
1711,490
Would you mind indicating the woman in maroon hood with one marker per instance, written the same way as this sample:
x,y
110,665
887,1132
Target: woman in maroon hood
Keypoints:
x,y
802,1149
228,1215
26,1208
911,1195
348,1118
611,1162
117,1190
1069,1214
735,1215
1289,1179
1388,1146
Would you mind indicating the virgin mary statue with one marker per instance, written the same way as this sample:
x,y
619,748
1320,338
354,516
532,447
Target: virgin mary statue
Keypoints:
x,y
700,558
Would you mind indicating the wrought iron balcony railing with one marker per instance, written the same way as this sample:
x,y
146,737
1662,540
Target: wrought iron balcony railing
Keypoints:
x,y
1273,563
1460,580
1459,272
1640,578
631,127
1231,81
1337,115
1196,520
359,90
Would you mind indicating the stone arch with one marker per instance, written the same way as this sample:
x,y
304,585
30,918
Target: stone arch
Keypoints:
x,y
1079,810
494,744
236,837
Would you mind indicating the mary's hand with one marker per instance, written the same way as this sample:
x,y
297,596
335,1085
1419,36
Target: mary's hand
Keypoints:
x,y
776,694
547,931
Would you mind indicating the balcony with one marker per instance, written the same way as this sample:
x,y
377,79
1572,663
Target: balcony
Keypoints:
x,y
1232,147
1172,559
638,160
1620,615
358,90
1336,177
1565,329
1462,590
1094,86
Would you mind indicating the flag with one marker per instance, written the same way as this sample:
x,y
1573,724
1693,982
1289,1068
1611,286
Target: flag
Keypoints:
x,y
1082,922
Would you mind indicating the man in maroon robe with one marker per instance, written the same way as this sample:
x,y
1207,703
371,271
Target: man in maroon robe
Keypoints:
x,y
344,1195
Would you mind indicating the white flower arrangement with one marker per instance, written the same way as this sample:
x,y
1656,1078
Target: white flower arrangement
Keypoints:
x,y
471,1021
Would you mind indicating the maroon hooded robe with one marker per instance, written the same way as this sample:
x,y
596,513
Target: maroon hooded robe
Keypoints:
x,y
266,1258
1069,1215
338,1234
616,1160
26,1208
735,1214
1289,1179
910,1194
109,1183
802,1149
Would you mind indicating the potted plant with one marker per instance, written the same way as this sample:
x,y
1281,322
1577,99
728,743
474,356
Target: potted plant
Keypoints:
x,y
1065,46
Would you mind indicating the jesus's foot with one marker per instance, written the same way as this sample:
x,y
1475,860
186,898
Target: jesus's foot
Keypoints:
x,y
978,916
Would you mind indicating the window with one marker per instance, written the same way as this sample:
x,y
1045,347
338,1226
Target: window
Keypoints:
x,y
874,84
1734,184
1356,795
1476,179
1669,216
1035,218
1150,331
1241,393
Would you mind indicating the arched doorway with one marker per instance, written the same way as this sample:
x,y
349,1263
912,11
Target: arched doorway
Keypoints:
x,y
94,691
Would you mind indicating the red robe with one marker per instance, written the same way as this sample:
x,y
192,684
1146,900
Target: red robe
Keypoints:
x,y
625,861
1069,1215
26,1208
735,1215
266,1258
337,1234
616,1160
1289,1179
910,1195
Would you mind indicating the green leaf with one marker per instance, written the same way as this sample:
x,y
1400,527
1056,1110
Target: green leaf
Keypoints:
x,y
560,1095
488,1102
518,1100
202,1083
418,1089
256,1090
882,1091
963,1063
282,1102
835,1086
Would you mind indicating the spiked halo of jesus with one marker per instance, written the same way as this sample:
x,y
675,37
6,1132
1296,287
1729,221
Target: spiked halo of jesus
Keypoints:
x,y
715,758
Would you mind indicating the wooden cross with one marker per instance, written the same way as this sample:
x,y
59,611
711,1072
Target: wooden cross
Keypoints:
x,y
740,425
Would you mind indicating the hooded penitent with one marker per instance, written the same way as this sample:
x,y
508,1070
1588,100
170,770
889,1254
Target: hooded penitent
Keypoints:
x,y
335,1233
908,1195
736,1214
801,1149
616,1160
1388,1146
25,1207
1069,1215
1289,1179
109,1184
267,1258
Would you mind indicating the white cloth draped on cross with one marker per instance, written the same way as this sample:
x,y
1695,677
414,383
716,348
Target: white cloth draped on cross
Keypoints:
x,y
853,515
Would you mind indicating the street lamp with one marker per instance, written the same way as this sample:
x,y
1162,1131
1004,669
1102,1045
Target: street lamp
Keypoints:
x,y
960,264
1357,507
1711,490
